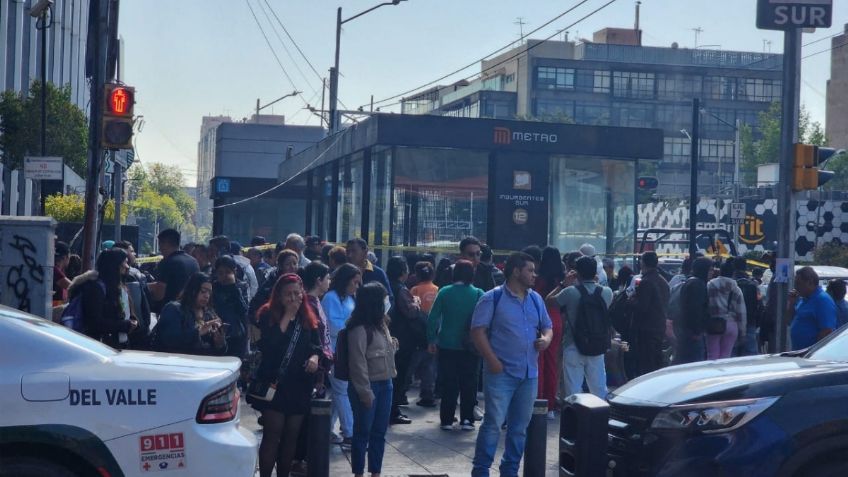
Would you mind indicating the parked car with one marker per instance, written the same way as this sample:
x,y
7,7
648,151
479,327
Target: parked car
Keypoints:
x,y
72,406
771,415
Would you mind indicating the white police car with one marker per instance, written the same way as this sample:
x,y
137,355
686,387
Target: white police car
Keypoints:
x,y
71,406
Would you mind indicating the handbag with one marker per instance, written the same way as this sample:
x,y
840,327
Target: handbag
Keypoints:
x,y
717,325
263,390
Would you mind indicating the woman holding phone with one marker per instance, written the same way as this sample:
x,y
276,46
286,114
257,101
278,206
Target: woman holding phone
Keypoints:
x,y
189,325
290,350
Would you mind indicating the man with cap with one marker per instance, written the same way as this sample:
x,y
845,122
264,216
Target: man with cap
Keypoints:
x,y
588,250
314,244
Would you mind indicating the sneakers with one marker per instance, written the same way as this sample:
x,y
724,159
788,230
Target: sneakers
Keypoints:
x,y
467,425
346,443
551,416
446,427
478,413
336,439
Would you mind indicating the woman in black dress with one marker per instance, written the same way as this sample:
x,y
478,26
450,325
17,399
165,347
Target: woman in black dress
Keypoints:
x,y
286,320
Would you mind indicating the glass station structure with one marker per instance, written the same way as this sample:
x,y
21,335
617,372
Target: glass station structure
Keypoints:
x,y
429,181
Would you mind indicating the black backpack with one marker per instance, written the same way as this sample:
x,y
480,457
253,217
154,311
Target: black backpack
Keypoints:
x,y
592,325
341,363
621,313
753,305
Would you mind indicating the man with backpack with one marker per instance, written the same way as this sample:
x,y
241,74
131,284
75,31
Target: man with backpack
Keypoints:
x,y
509,327
753,307
586,332
650,303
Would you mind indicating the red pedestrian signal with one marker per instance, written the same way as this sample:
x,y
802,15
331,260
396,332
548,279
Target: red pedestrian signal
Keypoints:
x,y
120,101
648,183
117,124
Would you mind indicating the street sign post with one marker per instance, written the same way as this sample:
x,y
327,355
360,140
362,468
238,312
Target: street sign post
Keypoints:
x,y
737,212
794,14
43,168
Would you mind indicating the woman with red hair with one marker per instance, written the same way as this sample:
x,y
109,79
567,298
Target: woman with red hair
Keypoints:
x,y
290,350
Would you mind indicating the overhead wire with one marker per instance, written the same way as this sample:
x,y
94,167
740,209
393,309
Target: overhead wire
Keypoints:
x,y
271,47
475,62
285,48
338,137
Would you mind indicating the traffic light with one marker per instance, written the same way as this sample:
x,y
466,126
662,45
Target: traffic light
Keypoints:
x,y
648,183
806,174
117,127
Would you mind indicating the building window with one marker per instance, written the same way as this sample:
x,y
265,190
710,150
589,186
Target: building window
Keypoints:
x,y
465,111
554,109
593,114
759,90
678,87
673,118
549,77
720,87
509,78
718,121
593,81
630,84
677,150
634,115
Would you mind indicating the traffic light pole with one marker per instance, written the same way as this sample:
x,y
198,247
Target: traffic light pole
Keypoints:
x,y
693,177
786,220
95,153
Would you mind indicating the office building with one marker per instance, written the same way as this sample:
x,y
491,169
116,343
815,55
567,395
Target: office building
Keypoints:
x,y
614,80
836,129
20,47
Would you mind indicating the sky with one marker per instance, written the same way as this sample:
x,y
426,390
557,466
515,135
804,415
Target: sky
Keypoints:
x,y
193,58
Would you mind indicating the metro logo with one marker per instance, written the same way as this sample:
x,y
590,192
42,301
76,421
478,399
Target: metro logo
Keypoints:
x,y
503,136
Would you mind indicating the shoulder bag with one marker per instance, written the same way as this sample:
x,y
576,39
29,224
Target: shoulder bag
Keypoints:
x,y
263,390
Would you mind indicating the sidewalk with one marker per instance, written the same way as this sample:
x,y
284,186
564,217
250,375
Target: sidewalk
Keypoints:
x,y
421,448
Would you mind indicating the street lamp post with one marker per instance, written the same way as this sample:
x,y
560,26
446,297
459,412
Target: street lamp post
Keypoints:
x,y
260,108
43,11
334,122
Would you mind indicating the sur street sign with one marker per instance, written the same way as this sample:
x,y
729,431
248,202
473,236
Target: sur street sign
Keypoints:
x,y
43,168
793,14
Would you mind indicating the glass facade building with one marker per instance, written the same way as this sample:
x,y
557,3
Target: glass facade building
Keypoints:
x,y
429,181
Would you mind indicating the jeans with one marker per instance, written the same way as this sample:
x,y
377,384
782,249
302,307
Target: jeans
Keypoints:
x,y
721,346
508,399
751,344
424,365
578,366
689,349
458,374
369,428
341,407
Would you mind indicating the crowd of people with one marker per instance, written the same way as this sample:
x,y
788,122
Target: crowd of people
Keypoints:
x,y
313,319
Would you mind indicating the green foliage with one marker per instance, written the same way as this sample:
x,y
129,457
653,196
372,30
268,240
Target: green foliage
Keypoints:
x,y
156,207
71,208
767,149
839,165
831,254
20,127
165,180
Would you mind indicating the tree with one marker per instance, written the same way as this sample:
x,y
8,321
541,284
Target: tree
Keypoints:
x,y
767,149
20,127
839,165
157,208
71,208
164,180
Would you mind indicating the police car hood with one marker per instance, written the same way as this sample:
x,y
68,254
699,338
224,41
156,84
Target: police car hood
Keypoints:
x,y
728,379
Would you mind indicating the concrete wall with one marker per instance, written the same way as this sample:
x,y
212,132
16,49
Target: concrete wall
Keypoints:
x,y
26,264
256,150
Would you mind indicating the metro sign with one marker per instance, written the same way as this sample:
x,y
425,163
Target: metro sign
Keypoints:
x,y
793,14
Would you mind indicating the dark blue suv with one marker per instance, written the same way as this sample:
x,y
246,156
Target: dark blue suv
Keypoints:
x,y
774,415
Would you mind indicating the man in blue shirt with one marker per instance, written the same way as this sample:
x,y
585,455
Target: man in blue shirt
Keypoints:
x,y
813,316
509,327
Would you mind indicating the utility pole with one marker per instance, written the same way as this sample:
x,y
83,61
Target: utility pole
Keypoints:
x,y
693,177
785,199
96,70
117,193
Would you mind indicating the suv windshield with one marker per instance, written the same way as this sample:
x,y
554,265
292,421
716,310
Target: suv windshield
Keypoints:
x,y
833,348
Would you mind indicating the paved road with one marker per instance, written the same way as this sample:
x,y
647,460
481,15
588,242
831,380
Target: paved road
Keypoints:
x,y
421,448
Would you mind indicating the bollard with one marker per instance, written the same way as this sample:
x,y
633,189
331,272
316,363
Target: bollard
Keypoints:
x,y
318,448
583,436
536,445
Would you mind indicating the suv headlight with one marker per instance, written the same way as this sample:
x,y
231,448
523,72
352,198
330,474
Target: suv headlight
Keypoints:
x,y
712,417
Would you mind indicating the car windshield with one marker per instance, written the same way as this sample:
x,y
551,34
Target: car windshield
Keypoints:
x,y
832,348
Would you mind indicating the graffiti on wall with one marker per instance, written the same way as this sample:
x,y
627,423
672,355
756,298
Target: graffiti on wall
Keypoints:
x,y
18,278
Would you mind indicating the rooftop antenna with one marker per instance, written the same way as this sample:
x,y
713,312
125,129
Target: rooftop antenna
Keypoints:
x,y
698,31
766,45
638,7
520,22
